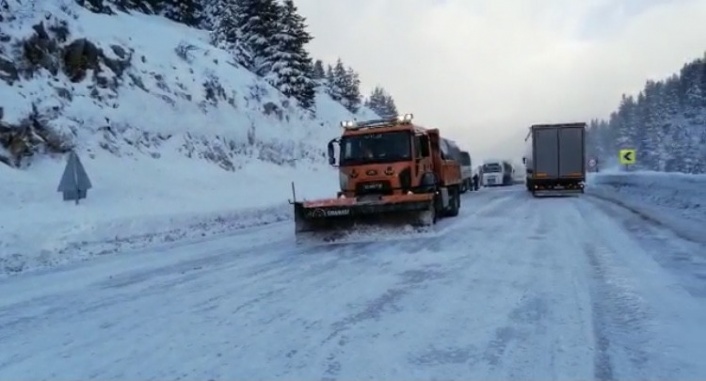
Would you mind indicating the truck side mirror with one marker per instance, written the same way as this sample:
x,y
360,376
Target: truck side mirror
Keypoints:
x,y
524,160
331,153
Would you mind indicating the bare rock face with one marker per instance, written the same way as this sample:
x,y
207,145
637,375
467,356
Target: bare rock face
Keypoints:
x,y
82,55
78,57
40,52
30,137
49,48
8,71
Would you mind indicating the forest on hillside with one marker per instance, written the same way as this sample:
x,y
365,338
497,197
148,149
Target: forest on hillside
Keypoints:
x,y
665,123
269,38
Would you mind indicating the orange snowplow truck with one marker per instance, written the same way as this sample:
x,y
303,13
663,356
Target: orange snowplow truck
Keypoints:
x,y
391,171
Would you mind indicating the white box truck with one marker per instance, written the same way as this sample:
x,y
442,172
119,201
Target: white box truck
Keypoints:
x,y
555,158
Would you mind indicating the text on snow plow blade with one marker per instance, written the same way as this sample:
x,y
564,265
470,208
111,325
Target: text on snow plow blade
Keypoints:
x,y
391,172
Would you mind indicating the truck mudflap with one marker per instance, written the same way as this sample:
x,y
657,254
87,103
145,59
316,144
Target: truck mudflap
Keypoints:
x,y
349,214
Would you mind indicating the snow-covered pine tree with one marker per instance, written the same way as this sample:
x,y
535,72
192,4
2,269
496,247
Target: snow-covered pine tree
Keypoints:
x,y
665,122
210,14
375,100
693,105
349,83
390,106
318,71
332,88
291,66
226,31
670,121
189,12
651,110
97,6
258,22
381,103
145,6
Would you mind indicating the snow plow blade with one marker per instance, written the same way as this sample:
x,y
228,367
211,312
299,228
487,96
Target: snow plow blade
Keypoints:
x,y
342,219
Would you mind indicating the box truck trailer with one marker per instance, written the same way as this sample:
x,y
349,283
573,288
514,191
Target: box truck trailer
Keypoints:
x,y
555,158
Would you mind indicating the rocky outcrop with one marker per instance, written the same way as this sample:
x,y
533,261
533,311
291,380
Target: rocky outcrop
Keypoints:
x,y
50,49
28,138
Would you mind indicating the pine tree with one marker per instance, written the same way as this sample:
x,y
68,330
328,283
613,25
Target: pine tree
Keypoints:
x,y
258,23
211,14
375,101
189,12
390,106
665,123
149,7
332,82
290,62
350,86
226,33
381,103
97,6
318,72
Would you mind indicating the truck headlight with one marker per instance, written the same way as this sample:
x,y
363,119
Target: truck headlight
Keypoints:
x,y
343,180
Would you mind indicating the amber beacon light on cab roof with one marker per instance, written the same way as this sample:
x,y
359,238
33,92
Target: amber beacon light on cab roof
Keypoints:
x,y
392,172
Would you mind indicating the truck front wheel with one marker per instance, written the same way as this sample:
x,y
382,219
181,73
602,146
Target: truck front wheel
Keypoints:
x,y
454,202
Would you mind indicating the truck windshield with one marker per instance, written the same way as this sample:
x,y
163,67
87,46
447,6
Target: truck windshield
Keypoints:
x,y
376,148
491,168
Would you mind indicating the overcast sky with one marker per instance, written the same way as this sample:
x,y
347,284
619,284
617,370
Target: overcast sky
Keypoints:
x,y
483,71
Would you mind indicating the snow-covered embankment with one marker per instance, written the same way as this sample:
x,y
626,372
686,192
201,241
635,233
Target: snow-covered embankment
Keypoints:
x,y
675,200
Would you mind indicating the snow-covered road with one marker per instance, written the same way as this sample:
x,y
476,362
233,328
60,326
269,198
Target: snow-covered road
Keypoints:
x,y
515,287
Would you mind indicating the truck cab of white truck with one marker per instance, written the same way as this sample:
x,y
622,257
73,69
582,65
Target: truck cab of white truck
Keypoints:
x,y
497,173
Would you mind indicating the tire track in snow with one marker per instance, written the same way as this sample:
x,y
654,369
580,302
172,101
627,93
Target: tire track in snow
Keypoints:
x,y
652,260
621,318
683,258
498,297
528,335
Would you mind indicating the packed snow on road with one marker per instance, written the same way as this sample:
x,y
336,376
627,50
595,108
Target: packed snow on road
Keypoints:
x,y
515,287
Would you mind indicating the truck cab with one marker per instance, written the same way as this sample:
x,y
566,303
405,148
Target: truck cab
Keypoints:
x,y
392,156
497,173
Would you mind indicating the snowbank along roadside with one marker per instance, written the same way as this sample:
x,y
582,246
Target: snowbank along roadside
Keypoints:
x,y
674,200
178,141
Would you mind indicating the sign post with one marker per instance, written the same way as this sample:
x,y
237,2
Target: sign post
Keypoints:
x,y
593,164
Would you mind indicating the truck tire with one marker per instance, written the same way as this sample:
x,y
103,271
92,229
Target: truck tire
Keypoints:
x,y
454,202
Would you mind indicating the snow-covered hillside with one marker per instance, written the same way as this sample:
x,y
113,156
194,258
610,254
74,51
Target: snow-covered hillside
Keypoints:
x,y
177,139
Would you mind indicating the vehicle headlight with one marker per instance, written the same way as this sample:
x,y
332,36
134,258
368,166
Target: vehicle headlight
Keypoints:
x,y
343,180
